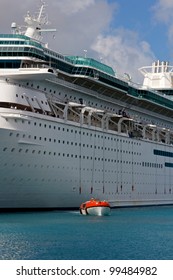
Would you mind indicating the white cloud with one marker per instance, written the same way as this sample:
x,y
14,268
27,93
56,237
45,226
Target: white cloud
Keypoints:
x,y
72,7
77,31
163,11
124,52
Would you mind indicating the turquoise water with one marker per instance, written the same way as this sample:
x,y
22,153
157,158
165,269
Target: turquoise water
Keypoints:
x,y
128,233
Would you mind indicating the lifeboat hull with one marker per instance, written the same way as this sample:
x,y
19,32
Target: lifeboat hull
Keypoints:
x,y
99,211
95,208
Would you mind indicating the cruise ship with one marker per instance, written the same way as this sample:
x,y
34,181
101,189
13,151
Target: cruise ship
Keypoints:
x,y
71,129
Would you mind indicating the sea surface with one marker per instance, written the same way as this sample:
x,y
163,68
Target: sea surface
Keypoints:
x,y
127,234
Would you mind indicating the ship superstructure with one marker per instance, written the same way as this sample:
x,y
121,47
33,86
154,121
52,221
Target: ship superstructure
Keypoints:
x,y
71,129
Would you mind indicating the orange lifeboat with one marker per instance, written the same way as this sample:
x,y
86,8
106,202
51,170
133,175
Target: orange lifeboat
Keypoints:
x,y
95,207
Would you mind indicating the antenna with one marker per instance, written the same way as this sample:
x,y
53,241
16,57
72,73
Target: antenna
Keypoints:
x,y
85,51
35,23
41,11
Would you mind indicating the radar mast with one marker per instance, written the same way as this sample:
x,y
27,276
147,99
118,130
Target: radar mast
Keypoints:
x,y
35,23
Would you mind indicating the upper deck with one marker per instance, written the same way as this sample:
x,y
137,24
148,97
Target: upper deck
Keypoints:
x,y
26,50
92,63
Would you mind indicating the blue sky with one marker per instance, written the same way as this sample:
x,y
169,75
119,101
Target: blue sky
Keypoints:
x,y
126,34
141,17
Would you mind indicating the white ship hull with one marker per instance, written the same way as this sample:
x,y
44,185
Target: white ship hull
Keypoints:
x,y
65,136
51,163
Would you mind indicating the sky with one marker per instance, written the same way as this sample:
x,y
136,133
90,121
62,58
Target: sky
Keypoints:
x,y
125,34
